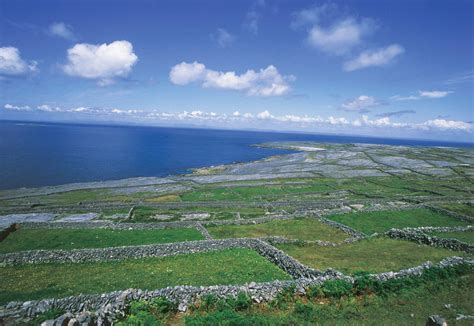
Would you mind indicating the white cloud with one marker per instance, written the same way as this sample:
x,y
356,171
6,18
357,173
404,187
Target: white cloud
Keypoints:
x,y
448,124
341,37
434,94
222,38
374,58
264,115
313,15
264,118
11,63
185,73
104,62
16,107
62,30
266,82
360,104
421,95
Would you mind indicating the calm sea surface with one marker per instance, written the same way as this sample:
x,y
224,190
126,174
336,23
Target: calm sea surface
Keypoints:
x,y
40,154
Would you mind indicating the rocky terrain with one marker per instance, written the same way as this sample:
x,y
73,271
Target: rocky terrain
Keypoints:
x,y
322,195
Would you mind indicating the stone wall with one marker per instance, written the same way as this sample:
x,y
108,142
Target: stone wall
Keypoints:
x,y
422,238
458,216
350,231
278,257
102,309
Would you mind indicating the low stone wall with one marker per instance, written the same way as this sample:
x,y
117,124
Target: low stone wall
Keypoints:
x,y
428,229
6,232
109,225
282,240
458,216
344,228
204,231
422,238
258,220
103,309
278,257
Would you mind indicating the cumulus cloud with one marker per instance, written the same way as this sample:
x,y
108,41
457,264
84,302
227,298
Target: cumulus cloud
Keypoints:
x,y
185,73
104,62
421,95
361,104
341,37
266,82
374,58
11,63
62,30
222,38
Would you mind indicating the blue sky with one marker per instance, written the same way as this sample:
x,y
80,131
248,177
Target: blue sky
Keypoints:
x,y
381,68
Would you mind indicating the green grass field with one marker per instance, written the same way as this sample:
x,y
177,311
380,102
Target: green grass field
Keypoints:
x,y
467,237
256,192
373,255
408,307
381,221
459,208
302,229
232,266
33,239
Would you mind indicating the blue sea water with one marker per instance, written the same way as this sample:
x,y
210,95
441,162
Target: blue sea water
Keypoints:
x,y
43,154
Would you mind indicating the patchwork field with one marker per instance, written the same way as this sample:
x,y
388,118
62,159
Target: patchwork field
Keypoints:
x,y
367,188
382,221
373,255
301,229
46,239
233,266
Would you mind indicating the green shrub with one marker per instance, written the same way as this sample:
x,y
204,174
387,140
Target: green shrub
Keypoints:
x,y
142,318
47,315
208,302
229,317
336,288
363,283
241,302
162,306
283,298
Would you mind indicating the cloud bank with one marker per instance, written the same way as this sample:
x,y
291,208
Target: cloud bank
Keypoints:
x,y
263,118
265,82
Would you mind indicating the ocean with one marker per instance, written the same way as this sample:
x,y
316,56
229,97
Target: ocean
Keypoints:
x,y
44,154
